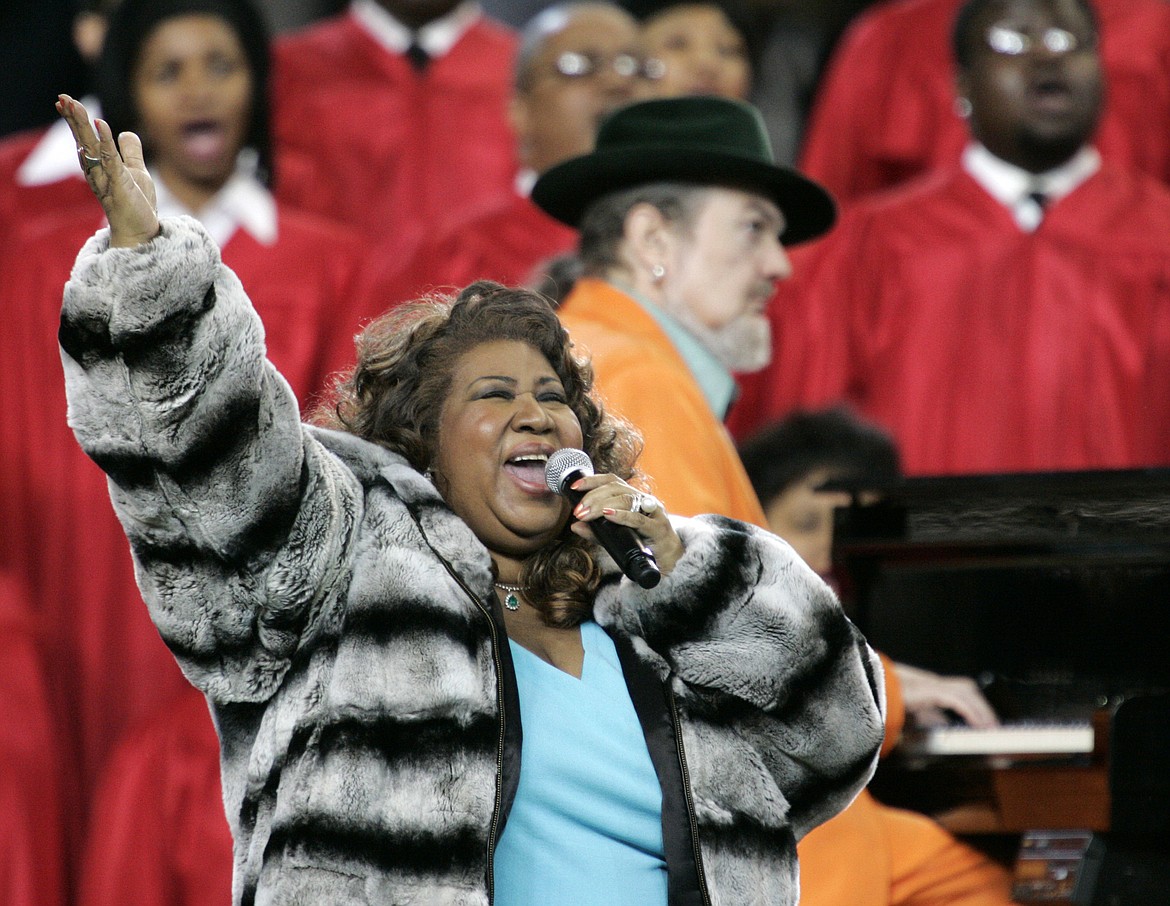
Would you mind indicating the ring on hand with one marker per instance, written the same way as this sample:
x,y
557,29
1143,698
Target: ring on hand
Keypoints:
x,y
647,504
87,162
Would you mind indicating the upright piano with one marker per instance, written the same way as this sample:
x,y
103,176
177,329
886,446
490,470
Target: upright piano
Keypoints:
x,y
1052,591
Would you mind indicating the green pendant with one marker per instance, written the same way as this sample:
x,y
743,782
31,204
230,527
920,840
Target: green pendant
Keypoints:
x,y
511,601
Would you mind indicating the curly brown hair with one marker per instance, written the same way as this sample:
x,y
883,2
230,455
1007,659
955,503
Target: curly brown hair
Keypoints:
x,y
395,393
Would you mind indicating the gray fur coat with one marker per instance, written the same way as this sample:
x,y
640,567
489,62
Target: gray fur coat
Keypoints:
x,y
336,615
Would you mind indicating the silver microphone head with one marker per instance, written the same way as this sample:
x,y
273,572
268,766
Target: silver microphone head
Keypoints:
x,y
563,463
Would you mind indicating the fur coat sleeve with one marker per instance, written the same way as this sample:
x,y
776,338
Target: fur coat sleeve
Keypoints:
x,y
744,627
239,520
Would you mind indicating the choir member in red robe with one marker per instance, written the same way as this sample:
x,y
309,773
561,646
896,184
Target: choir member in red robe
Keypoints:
x,y
32,871
987,329
185,74
391,116
39,175
577,63
885,110
158,834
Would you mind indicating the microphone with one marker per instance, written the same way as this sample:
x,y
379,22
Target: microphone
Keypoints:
x,y
621,542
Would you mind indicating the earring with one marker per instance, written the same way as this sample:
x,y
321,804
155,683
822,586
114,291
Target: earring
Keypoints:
x,y
657,272
963,107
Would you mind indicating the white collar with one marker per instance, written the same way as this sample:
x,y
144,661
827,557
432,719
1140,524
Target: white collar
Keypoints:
x,y
243,202
1007,183
54,157
525,179
436,37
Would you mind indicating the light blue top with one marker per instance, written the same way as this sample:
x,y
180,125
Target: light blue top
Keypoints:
x,y
586,825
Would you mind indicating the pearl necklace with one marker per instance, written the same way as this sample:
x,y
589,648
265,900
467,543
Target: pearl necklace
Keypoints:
x,y
512,598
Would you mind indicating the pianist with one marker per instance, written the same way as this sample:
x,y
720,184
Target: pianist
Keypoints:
x,y
898,858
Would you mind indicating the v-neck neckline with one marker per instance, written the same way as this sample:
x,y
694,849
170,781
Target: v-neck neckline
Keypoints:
x,y
543,664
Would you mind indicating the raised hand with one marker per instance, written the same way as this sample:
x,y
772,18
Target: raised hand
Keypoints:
x,y
116,172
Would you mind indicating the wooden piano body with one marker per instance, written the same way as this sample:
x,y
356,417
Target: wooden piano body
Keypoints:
x,y
1053,591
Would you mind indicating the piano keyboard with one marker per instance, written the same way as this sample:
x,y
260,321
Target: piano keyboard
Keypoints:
x,y
1027,738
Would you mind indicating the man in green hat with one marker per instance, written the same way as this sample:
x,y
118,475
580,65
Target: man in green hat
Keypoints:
x,y
682,212
684,218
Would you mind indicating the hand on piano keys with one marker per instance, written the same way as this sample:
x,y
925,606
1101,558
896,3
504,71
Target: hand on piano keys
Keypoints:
x,y
975,730
930,697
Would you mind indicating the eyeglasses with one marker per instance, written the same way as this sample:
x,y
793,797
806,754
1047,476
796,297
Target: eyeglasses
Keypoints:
x,y
574,65
1011,42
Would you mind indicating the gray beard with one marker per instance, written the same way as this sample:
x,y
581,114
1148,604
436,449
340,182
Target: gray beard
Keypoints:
x,y
743,345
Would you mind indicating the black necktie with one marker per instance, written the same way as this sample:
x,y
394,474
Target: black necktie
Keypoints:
x,y
417,56
1033,217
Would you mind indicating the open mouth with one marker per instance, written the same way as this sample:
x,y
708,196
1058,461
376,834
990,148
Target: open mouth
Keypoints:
x,y
528,469
1052,95
204,139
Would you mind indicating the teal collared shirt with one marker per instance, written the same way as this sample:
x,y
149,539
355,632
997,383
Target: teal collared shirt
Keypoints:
x,y
714,379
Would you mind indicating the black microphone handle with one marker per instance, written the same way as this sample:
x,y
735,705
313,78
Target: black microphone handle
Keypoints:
x,y
620,541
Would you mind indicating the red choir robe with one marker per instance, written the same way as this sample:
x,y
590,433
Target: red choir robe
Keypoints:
x,y
507,242
108,668
32,871
157,834
364,138
885,108
981,347
22,202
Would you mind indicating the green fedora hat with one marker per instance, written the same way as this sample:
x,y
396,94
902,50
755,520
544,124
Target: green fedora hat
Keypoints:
x,y
704,140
